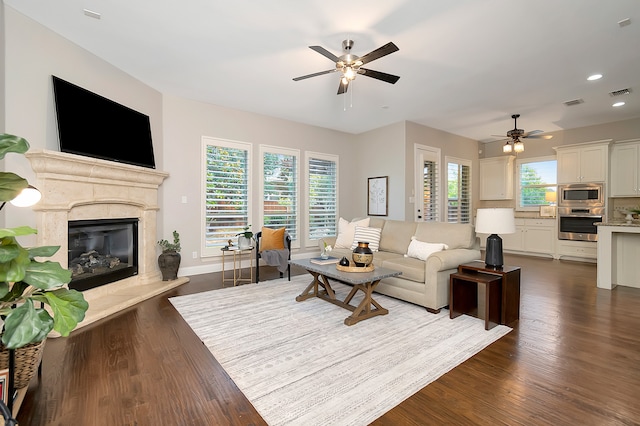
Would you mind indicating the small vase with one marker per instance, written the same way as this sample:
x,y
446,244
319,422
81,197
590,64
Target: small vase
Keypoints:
x,y
324,254
362,254
244,242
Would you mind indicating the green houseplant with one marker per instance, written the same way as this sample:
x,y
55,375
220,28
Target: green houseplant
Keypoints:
x,y
34,296
169,259
244,237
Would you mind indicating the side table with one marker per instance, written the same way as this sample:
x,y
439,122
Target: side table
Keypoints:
x,y
476,294
238,254
510,310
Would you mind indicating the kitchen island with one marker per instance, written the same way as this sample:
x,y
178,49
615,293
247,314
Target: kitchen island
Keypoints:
x,y
618,254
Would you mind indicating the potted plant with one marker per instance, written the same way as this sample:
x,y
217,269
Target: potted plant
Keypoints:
x,y
169,259
244,237
28,285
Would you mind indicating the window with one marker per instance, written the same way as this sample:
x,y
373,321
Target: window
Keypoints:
x,y
427,181
322,183
227,192
537,182
458,190
280,177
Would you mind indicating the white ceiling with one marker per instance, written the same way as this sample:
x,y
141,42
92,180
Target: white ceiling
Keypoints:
x,y
465,65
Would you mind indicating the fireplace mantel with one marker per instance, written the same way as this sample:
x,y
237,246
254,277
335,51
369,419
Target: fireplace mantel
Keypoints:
x,y
75,187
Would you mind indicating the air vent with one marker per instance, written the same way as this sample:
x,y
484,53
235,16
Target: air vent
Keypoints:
x,y
620,92
573,102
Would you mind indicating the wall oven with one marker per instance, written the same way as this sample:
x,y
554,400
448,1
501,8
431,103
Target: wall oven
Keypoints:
x,y
580,206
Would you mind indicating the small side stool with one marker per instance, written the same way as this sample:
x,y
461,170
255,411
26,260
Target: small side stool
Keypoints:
x,y
464,291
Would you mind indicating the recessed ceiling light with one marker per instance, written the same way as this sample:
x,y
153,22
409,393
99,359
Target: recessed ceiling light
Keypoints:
x,y
618,104
594,77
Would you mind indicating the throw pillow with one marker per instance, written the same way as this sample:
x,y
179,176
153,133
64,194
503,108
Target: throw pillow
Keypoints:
x,y
421,250
370,235
272,239
346,231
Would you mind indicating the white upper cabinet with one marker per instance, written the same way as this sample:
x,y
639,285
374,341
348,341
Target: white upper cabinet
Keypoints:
x,y
584,162
496,178
625,161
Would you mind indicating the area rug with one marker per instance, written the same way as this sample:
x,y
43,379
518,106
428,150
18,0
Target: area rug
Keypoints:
x,y
299,364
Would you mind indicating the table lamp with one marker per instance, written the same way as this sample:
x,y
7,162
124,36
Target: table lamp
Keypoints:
x,y
494,222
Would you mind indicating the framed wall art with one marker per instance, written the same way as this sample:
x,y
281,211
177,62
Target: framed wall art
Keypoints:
x,y
377,201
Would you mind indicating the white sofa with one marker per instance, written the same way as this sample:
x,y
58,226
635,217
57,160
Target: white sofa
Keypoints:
x,y
425,283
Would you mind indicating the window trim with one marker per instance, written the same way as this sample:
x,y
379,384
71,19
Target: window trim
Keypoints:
x,y
519,163
306,240
295,243
432,154
213,141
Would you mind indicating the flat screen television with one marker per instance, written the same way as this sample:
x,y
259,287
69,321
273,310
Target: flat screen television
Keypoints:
x,y
94,126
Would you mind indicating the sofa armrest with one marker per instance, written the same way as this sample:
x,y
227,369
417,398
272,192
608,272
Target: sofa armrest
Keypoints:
x,y
450,259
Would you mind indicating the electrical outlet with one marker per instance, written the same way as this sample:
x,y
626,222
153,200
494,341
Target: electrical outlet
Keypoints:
x,y
195,254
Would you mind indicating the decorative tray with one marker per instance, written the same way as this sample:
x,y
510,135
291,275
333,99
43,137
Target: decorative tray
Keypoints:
x,y
355,268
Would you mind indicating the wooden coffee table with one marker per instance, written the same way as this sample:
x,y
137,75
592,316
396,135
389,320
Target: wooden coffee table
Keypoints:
x,y
361,281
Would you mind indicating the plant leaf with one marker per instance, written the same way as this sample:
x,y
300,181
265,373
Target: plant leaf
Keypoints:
x,y
11,185
46,275
26,324
68,307
16,232
14,270
44,251
12,143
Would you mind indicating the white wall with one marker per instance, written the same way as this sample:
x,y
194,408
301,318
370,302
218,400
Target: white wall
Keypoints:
x,y
33,54
186,121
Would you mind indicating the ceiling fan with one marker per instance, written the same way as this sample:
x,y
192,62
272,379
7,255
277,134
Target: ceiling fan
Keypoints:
x,y
515,134
351,65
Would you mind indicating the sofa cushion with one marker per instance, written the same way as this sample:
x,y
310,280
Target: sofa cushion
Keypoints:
x,y
370,235
421,250
455,235
412,269
396,236
346,231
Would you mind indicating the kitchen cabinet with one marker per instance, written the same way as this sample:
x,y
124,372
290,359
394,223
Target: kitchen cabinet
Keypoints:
x,y
586,162
578,249
496,178
625,161
532,236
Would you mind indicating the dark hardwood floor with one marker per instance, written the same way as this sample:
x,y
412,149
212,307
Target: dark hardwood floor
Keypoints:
x,y
572,358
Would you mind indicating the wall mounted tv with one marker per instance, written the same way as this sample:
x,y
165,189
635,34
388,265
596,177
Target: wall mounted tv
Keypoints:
x,y
94,126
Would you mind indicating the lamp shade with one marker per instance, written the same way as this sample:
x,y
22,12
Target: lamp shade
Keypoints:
x,y
27,198
495,221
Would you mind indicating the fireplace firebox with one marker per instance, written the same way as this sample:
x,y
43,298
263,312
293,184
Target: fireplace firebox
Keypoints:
x,y
102,251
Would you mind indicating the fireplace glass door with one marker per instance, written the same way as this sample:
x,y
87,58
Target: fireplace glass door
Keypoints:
x,y
102,251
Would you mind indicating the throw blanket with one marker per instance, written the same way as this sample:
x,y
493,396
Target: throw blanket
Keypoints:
x,y
279,258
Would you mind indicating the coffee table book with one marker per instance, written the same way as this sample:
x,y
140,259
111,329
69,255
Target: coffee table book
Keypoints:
x,y
321,261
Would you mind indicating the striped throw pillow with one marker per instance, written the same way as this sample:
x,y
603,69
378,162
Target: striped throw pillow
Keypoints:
x,y
370,235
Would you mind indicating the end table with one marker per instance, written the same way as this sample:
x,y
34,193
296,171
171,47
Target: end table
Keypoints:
x,y
238,254
510,309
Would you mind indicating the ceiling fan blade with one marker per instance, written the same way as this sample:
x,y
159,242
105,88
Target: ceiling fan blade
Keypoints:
x,y
537,136
315,74
389,78
324,52
379,53
342,88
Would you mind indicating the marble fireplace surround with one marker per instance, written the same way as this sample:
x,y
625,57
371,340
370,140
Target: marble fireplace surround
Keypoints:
x,y
79,188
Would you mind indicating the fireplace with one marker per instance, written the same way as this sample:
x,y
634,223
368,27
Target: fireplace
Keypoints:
x,y
102,251
88,191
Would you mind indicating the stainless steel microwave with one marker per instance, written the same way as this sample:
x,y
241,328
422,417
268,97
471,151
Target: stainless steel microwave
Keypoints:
x,y
581,195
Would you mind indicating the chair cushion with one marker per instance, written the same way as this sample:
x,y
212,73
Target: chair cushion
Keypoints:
x,y
272,239
346,231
